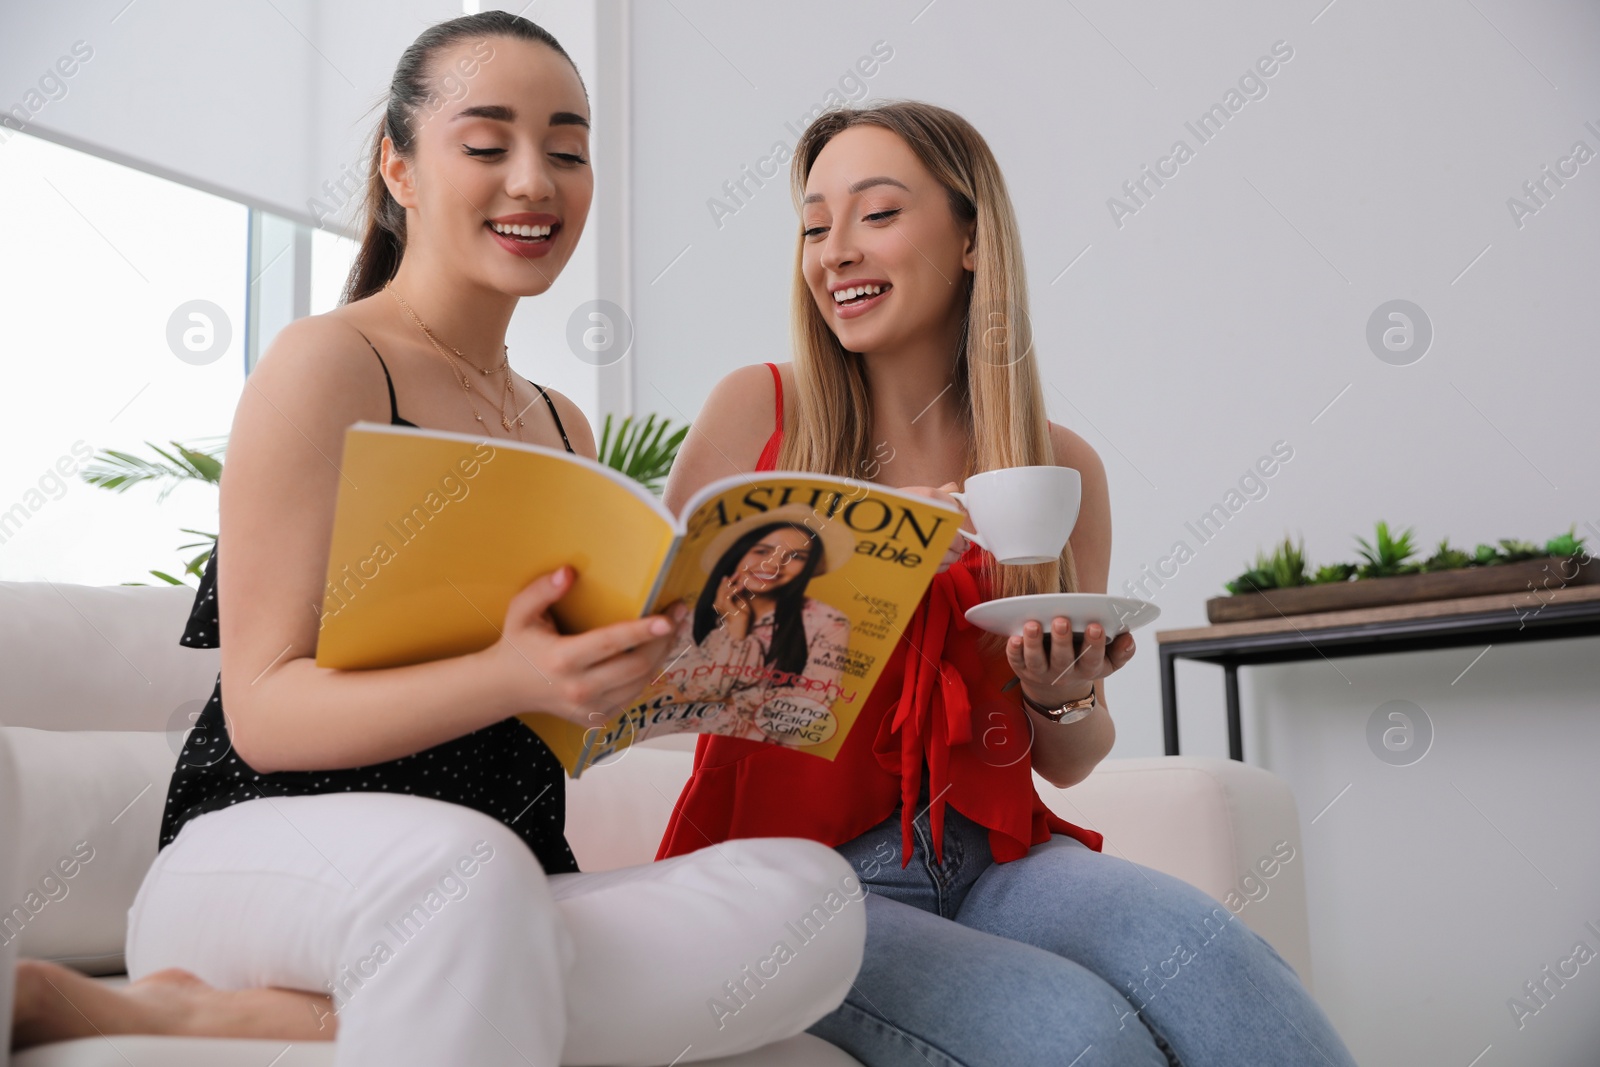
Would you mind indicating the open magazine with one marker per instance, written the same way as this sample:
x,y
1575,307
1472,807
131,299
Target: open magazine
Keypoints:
x,y
798,584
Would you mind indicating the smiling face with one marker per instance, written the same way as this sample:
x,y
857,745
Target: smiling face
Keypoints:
x,y
498,185
884,256
775,560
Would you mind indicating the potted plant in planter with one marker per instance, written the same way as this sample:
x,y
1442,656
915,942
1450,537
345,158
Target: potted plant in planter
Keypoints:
x,y
1388,573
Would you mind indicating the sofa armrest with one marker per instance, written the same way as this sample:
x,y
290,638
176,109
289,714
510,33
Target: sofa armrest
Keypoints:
x,y
89,815
10,819
1227,828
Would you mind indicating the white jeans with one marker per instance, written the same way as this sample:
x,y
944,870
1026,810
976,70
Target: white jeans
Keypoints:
x,y
441,940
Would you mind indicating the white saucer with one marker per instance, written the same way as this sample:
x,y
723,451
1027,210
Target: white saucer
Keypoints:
x,y
1117,614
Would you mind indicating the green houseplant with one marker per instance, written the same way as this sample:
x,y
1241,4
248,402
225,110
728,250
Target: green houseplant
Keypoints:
x,y
644,451
121,471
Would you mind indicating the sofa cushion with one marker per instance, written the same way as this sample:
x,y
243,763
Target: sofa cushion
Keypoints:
x,y
618,810
1227,828
80,657
90,817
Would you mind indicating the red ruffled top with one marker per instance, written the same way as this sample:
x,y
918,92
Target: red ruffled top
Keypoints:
x,y
937,704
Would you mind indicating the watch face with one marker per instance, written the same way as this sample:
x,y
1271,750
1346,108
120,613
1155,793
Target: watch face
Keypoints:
x,y
1074,715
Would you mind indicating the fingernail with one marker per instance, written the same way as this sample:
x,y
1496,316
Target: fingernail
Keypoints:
x,y
660,626
559,579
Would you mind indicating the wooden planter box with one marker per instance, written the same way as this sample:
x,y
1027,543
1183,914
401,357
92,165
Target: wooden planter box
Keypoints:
x,y
1547,572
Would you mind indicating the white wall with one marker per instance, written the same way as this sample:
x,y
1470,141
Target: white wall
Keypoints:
x,y
1228,314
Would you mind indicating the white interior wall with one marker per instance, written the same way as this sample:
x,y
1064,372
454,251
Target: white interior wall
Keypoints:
x,y
1228,313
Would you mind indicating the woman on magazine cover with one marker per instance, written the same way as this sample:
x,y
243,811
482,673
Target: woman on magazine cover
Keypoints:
x,y
754,632
377,857
910,311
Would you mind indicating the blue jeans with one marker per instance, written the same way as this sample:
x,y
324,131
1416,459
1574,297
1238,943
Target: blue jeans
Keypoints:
x,y
1065,957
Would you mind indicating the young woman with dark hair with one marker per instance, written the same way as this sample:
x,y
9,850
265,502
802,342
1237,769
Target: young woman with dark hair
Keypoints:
x,y
998,933
376,857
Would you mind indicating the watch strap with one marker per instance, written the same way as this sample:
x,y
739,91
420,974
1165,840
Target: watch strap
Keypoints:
x,y
1071,711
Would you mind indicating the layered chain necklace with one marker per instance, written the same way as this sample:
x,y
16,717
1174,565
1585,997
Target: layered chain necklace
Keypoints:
x,y
507,398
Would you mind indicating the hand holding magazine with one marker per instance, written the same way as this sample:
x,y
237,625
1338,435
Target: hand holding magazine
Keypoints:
x,y
798,585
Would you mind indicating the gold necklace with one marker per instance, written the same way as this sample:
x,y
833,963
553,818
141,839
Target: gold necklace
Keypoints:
x,y
434,338
466,386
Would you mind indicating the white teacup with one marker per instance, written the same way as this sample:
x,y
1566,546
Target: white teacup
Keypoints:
x,y
1023,514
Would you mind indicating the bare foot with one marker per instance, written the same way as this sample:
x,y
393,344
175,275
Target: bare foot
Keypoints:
x,y
56,1003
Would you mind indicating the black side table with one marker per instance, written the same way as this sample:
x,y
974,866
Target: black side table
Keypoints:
x,y
1503,618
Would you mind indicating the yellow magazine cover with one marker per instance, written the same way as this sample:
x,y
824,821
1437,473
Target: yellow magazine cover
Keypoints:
x,y
435,532
798,585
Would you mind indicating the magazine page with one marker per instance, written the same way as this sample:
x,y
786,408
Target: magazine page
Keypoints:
x,y
435,532
798,587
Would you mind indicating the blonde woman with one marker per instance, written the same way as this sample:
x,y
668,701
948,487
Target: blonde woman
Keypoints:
x,y
998,933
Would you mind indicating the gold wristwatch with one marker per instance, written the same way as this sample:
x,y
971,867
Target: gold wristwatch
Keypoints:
x,y
1071,711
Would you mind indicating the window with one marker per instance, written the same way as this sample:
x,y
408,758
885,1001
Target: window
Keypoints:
x,y
123,305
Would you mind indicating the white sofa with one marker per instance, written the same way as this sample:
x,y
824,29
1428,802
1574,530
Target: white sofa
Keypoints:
x,y
96,693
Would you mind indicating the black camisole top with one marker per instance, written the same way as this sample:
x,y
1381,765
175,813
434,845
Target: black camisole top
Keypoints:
x,y
503,770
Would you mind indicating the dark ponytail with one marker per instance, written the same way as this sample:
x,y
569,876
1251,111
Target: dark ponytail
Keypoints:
x,y
384,239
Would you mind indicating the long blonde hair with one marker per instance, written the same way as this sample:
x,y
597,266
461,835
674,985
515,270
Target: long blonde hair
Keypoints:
x,y
996,377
